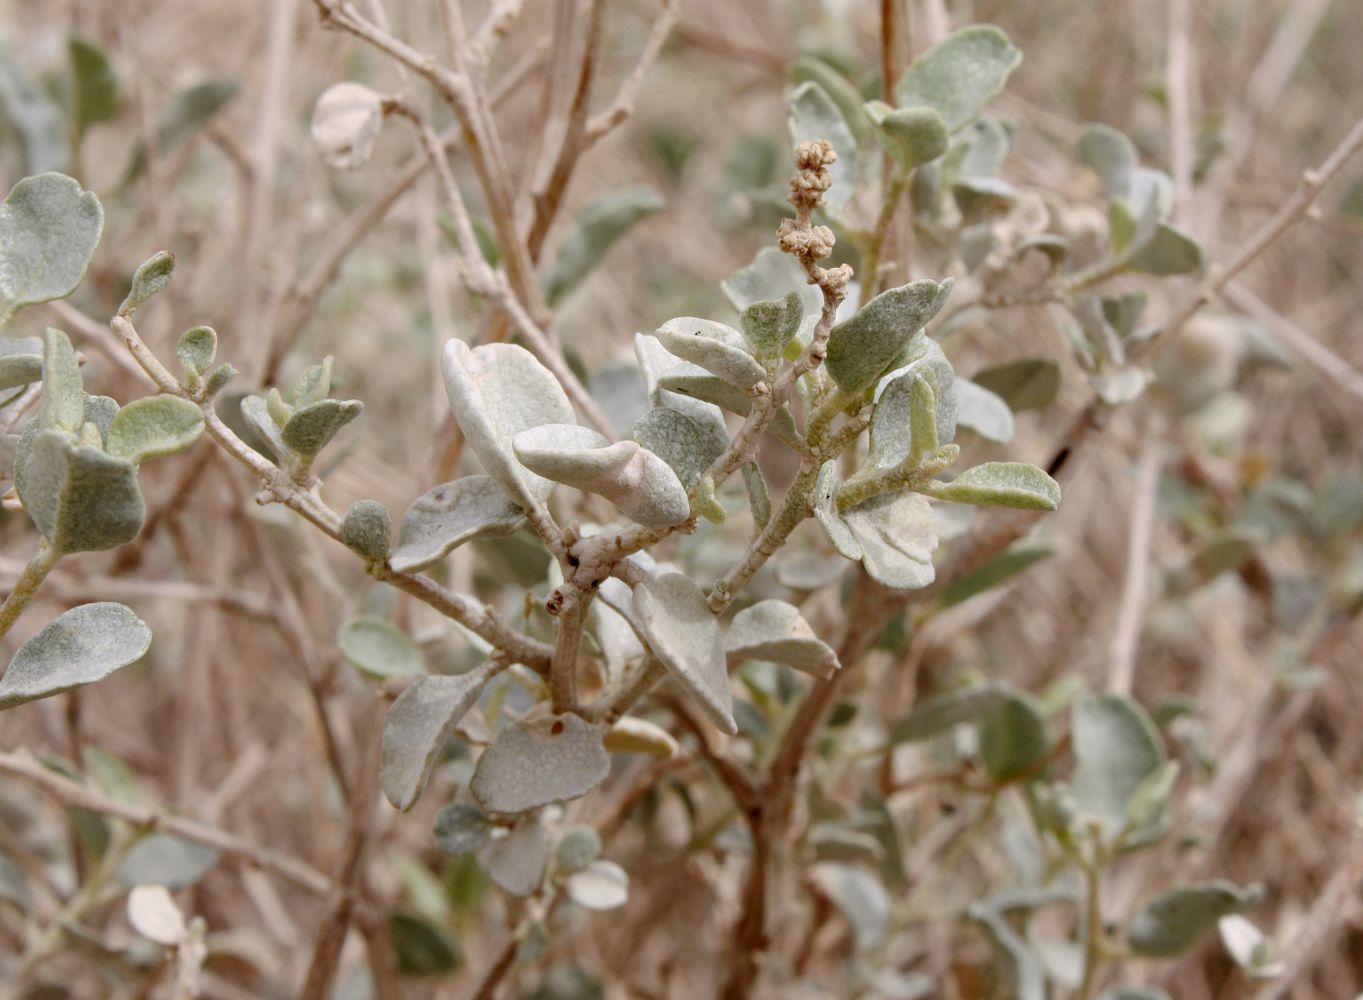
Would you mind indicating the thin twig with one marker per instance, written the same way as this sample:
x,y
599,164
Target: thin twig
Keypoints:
x,y
22,765
1131,610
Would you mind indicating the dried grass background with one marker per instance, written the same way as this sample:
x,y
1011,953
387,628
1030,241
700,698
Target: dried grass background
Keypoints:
x,y
221,721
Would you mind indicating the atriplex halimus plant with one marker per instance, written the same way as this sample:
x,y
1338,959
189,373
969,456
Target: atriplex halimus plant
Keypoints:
x,y
845,374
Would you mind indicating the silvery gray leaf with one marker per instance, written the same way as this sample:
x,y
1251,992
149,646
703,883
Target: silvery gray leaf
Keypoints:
x,y
860,349
634,479
80,646
448,515
898,535
814,115
602,885
534,762
678,441
80,499
346,122
517,861
49,229
414,733
983,412
827,514
377,647
684,634
719,349
497,391
891,423
773,275
774,630
461,828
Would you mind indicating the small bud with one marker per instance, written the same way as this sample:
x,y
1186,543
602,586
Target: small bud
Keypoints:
x,y
149,279
368,529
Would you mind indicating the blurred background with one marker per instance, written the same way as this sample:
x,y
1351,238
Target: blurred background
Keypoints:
x,y
1239,473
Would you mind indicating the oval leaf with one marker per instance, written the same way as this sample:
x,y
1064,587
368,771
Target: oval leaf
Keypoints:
x,y
1116,747
602,885
684,634
497,391
346,122
312,427
152,427
1174,920
78,647
533,763
679,441
448,515
461,829
892,424
593,233
49,229
635,480
862,347
367,529
960,74
80,499
911,136
377,647
717,348
1002,484
415,731
898,535
517,861
775,631
983,412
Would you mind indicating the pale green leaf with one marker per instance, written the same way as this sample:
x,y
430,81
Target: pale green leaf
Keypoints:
x,y
95,94
592,234
602,885
684,634
154,426
772,324
1014,736
1002,568
196,349
717,348
414,733
189,110
772,276
314,383
19,369
152,275
368,529
1002,484
894,426
497,391
814,115
678,441
983,412
312,427
1116,747
1024,978
49,229
80,646
63,387
461,829
826,512
517,861
911,136
898,535
862,347
960,74
534,762
579,847
1168,251
256,414
377,647
775,631
1027,384
1172,922
447,516
655,362
938,714
80,499
1112,156
639,483
982,198
35,116
808,69
166,860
